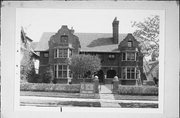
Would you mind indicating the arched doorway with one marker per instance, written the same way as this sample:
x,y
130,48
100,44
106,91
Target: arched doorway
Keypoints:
x,y
100,75
111,73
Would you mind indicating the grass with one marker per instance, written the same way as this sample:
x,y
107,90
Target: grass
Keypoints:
x,y
63,104
135,97
139,105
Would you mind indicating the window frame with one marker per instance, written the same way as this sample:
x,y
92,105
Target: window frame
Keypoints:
x,y
125,73
129,44
126,54
59,72
64,53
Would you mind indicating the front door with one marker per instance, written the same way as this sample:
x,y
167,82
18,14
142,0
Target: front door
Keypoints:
x,y
100,75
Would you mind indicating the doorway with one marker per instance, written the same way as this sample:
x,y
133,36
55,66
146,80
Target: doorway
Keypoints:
x,y
111,73
100,75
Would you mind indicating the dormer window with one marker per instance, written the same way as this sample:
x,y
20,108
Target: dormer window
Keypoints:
x,y
64,39
129,43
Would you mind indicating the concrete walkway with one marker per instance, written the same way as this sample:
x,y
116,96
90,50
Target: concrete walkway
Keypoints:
x,y
105,93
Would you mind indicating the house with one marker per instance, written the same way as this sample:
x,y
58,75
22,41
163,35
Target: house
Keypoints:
x,y
27,47
120,54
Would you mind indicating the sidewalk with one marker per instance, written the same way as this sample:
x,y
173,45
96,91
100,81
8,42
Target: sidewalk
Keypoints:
x,y
106,94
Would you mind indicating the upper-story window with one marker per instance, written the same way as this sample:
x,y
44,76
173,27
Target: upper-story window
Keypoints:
x,y
111,56
46,54
128,56
64,39
131,56
129,43
60,53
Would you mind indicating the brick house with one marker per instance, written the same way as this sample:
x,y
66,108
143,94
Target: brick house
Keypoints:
x,y
119,53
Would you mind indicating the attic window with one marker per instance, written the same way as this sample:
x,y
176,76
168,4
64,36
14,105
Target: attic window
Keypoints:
x,y
129,43
64,39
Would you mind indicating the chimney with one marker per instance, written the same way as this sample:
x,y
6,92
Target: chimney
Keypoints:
x,y
72,30
115,26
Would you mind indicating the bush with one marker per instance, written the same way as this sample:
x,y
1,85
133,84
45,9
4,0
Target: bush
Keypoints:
x,y
150,83
47,76
137,90
50,87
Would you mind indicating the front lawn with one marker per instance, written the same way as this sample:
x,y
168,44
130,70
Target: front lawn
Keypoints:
x,y
139,105
135,97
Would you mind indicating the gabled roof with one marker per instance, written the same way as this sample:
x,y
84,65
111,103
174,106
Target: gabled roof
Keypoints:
x,y
90,42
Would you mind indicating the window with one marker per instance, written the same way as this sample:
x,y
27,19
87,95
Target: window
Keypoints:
x,y
55,71
129,43
64,39
60,71
46,54
55,53
60,53
129,73
124,73
111,56
123,56
130,56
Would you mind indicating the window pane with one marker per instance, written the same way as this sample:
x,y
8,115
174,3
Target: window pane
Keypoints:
x,y
64,73
55,71
64,67
60,53
59,73
123,56
129,43
132,75
59,67
128,75
55,53
65,52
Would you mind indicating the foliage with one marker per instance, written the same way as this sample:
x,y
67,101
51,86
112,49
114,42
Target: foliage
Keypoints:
x,y
138,90
82,64
147,33
47,76
73,88
27,67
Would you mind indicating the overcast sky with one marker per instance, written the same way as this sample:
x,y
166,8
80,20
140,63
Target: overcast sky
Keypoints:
x,y
37,21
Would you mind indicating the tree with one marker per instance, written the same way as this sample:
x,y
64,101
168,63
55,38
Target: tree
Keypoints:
x,y
27,67
147,33
82,64
47,76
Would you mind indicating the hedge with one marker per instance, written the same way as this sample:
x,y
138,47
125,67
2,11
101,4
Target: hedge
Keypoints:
x,y
137,90
50,87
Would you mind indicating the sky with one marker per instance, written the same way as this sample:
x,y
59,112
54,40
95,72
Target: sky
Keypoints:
x,y
37,21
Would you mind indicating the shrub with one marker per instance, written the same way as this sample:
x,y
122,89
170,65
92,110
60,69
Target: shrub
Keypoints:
x,y
47,76
137,90
150,83
50,87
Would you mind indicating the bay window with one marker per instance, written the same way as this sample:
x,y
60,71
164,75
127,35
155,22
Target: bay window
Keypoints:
x,y
128,56
129,73
61,71
61,53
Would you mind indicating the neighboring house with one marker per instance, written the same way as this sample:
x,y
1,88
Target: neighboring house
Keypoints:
x,y
26,46
120,54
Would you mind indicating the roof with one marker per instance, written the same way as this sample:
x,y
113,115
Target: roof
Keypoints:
x,y
90,42
34,45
